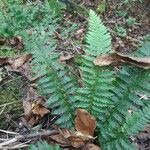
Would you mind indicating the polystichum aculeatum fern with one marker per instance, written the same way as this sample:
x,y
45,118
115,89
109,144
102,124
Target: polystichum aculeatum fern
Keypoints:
x,y
106,93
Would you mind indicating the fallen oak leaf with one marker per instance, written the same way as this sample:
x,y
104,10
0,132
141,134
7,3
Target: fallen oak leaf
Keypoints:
x,y
117,59
34,111
85,125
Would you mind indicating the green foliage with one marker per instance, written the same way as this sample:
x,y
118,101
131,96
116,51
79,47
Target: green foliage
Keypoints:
x,y
143,49
43,146
121,31
106,93
109,95
17,18
55,82
131,21
56,6
98,39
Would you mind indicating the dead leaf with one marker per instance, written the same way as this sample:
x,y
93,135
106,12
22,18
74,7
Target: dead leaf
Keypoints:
x,y
15,63
34,111
76,141
90,146
18,62
117,59
27,106
62,137
39,109
65,57
85,123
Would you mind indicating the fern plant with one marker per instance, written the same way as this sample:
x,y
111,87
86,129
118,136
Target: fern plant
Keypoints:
x,y
108,94
55,81
96,94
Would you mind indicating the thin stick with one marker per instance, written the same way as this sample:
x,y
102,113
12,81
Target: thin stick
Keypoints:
x,y
28,136
8,132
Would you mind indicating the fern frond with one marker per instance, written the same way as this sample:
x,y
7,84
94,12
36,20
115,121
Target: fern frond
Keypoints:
x,y
55,81
43,146
137,121
95,95
98,39
129,82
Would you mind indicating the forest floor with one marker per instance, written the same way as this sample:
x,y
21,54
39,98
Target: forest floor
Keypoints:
x,y
128,24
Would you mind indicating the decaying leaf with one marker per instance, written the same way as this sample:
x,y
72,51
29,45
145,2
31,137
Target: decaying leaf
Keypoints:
x,y
18,62
15,62
27,107
34,111
76,141
90,146
85,123
39,109
65,57
117,59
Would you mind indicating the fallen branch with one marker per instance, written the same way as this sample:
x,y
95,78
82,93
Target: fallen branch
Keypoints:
x,y
26,137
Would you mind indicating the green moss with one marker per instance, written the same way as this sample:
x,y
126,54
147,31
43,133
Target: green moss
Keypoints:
x,y
10,100
6,51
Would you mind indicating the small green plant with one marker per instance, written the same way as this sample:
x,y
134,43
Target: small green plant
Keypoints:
x,y
121,31
130,21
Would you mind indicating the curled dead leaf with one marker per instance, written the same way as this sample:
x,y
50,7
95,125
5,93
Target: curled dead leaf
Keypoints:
x,y
39,109
117,59
18,62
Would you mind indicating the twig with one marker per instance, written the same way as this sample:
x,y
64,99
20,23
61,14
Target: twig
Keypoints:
x,y
28,137
8,132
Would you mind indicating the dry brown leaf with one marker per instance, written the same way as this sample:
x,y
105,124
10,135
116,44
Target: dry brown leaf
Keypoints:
x,y
18,62
34,111
15,62
27,106
90,146
85,123
39,109
117,59
76,141
67,57
60,139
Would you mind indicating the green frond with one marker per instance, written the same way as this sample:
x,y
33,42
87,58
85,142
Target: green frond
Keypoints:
x,y
137,121
55,81
128,84
143,49
98,39
43,146
96,94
